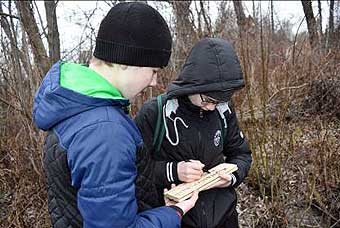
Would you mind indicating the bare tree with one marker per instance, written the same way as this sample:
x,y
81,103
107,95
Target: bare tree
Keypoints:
x,y
30,26
272,16
254,11
5,25
53,33
330,36
185,32
311,23
320,25
241,18
207,20
245,24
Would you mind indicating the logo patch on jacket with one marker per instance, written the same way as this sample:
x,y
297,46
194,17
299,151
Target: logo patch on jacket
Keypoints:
x,y
217,138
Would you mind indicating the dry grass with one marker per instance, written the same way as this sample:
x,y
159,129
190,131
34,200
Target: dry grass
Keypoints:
x,y
289,111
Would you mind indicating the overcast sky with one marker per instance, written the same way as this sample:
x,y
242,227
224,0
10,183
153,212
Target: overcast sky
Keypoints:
x,y
71,20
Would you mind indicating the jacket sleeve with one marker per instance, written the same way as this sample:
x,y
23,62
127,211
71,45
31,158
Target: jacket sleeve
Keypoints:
x,y
101,159
236,148
165,171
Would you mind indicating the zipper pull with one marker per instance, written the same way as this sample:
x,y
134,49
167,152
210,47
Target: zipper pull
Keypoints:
x,y
201,113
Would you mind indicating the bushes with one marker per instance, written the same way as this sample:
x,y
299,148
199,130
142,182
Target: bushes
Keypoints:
x,y
289,111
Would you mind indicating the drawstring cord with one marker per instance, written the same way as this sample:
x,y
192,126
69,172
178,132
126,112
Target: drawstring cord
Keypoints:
x,y
222,107
175,127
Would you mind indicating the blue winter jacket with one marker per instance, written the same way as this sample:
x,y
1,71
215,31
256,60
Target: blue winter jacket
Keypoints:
x,y
98,141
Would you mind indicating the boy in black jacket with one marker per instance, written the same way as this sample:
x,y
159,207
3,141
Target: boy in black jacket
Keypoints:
x,y
201,131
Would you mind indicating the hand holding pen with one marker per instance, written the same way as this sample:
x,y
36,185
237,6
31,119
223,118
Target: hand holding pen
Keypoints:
x,y
190,170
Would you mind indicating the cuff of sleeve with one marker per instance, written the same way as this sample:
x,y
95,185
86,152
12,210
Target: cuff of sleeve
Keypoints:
x,y
178,210
233,179
171,172
175,174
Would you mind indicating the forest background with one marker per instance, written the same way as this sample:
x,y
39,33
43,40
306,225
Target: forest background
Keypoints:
x,y
289,109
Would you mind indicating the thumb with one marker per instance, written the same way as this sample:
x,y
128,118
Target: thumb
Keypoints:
x,y
186,205
194,197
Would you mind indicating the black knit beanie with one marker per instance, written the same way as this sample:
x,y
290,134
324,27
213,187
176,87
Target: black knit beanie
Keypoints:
x,y
134,33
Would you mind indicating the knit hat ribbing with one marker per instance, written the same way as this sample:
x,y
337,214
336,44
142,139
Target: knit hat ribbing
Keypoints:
x,y
134,33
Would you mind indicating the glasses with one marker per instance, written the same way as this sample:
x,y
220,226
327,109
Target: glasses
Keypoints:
x,y
207,99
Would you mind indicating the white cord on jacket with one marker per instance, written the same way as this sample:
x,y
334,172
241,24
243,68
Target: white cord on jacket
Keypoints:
x,y
167,114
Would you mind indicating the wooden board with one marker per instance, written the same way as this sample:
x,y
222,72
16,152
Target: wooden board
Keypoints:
x,y
184,191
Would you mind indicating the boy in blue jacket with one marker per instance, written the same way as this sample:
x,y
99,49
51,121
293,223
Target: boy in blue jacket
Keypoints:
x,y
90,148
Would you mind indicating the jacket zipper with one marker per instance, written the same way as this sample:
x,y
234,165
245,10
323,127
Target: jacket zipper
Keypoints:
x,y
204,213
199,141
201,113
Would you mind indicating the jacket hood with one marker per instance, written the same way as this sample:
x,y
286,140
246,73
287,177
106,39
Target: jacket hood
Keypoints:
x,y
54,103
212,66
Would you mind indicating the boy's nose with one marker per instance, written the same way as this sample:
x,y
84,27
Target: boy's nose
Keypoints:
x,y
153,82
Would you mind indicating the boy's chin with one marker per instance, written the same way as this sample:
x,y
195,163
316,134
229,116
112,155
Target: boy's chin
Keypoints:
x,y
208,110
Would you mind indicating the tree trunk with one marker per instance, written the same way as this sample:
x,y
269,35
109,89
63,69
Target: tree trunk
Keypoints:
x,y
6,27
207,20
311,23
240,16
331,25
272,16
31,28
53,33
322,40
185,34
254,10
9,27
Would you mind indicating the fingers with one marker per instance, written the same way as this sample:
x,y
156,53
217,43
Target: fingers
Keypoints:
x,y
190,171
189,203
225,177
193,168
219,184
167,201
194,198
225,181
195,164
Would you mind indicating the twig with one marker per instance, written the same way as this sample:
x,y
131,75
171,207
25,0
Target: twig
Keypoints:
x,y
9,104
2,14
286,88
40,20
273,95
335,223
295,38
34,165
25,206
324,211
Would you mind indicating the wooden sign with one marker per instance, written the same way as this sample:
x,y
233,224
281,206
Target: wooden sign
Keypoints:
x,y
184,191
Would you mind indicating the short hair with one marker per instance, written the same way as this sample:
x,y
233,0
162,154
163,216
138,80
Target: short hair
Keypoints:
x,y
99,62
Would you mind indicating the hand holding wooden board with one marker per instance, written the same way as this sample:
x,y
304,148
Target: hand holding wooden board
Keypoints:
x,y
184,191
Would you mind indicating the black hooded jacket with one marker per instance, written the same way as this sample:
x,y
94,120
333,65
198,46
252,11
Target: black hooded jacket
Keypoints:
x,y
212,65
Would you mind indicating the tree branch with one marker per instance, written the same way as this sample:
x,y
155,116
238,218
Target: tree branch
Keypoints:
x,y
2,14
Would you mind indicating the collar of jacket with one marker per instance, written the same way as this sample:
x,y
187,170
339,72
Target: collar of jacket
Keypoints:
x,y
83,80
189,108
